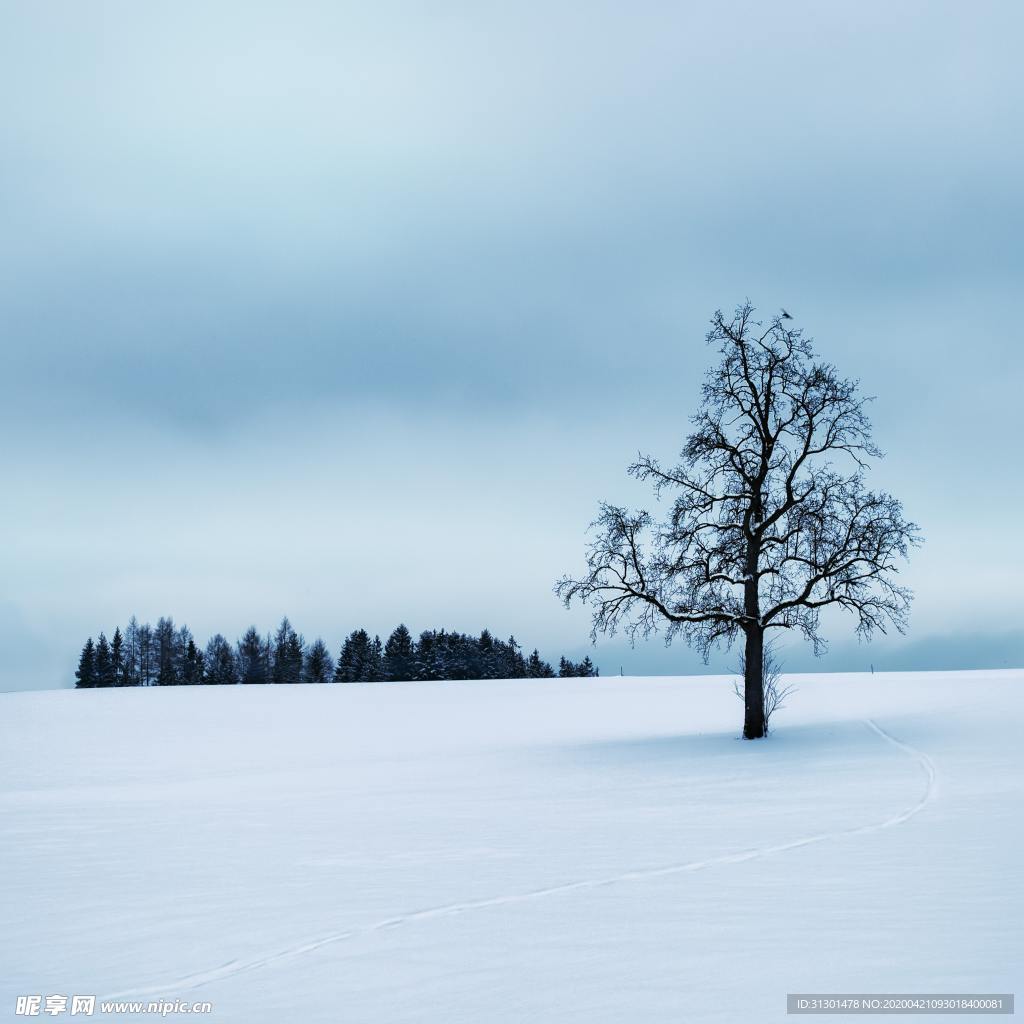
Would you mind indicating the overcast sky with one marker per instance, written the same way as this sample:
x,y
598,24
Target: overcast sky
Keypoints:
x,y
354,311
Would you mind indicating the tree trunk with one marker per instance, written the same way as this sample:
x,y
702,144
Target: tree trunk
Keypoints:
x,y
753,655
753,684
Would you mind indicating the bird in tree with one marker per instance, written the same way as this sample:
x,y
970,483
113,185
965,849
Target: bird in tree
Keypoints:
x,y
770,520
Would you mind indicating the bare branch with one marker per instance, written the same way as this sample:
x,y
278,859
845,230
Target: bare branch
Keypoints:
x,y
770,519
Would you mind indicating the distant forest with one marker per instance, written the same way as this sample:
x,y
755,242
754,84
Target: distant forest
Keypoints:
x,y
166,655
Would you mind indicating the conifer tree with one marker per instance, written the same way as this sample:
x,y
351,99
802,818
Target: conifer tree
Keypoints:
x,y
399,655
490,656
374,670
147,658
104,667
164,637
267,659
192,666
117,657
430,660
537,668
288,652
131,653
319,665
85,677
252,668
355,664
295,655
513,662
184,672
220,663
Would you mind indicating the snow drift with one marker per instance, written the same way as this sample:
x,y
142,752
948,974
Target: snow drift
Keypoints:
x,y
551,850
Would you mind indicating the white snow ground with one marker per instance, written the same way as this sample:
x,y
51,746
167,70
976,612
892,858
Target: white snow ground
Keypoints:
x,y
561,850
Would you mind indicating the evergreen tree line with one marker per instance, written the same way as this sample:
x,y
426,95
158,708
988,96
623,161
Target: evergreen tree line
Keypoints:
x,y
167,655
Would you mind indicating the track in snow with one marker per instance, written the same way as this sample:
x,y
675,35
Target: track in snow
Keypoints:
x,y
235,967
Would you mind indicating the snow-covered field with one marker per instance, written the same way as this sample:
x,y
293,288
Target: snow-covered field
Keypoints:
x,y
561,850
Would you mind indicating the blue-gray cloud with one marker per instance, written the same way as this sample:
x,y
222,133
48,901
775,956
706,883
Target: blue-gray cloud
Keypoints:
x,y
324,236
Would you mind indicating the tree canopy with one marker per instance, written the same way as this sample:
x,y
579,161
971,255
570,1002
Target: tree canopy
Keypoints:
x,y
770,519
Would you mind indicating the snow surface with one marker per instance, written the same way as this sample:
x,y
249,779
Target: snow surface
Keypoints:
x,y
557,850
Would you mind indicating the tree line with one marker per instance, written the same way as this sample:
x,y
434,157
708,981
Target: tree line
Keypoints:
x,y
167,655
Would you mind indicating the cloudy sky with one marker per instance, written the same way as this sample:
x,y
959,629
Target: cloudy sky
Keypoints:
x,y
354,311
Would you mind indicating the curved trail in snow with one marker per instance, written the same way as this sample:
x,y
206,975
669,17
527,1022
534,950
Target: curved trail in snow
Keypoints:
x,y
236,967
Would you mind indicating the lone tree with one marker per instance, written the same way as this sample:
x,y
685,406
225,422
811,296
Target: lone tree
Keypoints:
x,y
770,521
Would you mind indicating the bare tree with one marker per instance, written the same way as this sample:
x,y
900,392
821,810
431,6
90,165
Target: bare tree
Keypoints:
x,y
770,521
